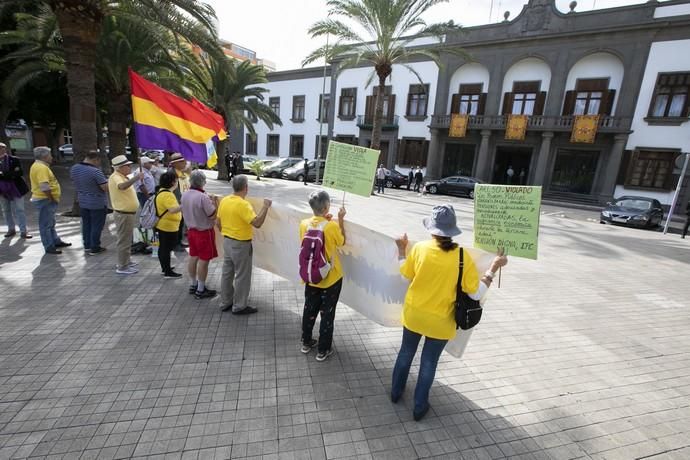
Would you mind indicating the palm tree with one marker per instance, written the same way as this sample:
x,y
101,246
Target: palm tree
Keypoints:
x,y
387,27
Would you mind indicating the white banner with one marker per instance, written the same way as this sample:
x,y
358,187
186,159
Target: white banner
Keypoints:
x,y
372,283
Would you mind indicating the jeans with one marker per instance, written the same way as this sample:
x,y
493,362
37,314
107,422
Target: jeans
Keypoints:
x,y
46,223
427,367
320,300
92,223
167,241
12,207
380,185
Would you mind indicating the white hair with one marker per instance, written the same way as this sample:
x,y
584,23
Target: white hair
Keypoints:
x,y
41,152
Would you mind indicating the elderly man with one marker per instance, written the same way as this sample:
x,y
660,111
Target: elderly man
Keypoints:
x,y
178,164
199,211
236,217
123,198
12,191
45,195
146,187
91,186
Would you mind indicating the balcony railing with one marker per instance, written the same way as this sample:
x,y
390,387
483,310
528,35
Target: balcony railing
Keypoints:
x,y
536,122
388,123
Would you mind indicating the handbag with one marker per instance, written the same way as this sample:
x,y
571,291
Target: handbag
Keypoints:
x,y
468,311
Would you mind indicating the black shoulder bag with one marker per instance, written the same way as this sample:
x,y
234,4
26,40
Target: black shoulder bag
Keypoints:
x,y
468,311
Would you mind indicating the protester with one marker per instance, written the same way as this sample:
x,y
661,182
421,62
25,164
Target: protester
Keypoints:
x,y
233,167
418,179
410,178
179,165
687,221
170,218
146,187
322,298
380,179
199,211
45,195
509,175
433,267
228,165
124,201
91,186
12,191
236,217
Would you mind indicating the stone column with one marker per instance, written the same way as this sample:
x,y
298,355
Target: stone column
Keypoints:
x,y
543,159
434,162
483,159
613,165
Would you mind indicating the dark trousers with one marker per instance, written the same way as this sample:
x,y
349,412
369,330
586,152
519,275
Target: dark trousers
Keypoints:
x,y
417,186
142,198
380,185
92,223
323,301
180,233
167,242
686,226
409,183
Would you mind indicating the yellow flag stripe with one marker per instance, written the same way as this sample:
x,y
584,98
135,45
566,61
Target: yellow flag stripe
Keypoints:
x,y
147,113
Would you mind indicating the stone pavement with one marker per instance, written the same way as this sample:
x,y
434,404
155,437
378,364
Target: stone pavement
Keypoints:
x,y
583,354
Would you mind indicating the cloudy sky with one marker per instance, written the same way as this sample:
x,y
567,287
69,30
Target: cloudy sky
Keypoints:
x,y
277,29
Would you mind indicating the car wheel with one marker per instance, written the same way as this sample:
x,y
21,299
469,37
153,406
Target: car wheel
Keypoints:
x,y
274,175
471,194
300,178
389,183
602,222
433,189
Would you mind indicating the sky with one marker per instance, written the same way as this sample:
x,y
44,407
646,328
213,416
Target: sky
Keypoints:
x,y
277,29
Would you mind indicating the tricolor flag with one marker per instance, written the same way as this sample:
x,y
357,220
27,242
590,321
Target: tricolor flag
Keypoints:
x,y
165,121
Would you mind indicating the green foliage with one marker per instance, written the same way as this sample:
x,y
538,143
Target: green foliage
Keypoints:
x,y
257,167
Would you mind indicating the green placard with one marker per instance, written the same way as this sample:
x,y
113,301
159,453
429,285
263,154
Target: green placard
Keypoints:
x,y
350,168
507,216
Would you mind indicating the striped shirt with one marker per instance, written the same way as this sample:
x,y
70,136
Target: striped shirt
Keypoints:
x,y
87,180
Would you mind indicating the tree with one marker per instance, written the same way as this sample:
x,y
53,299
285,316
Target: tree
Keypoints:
x,y
378,32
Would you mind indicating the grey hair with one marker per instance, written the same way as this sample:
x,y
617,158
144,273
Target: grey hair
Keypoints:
x,y
197,179
239,183
41,152
319,202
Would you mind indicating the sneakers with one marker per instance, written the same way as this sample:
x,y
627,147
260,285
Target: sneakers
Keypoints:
x,y
245,311
306,347
53,251
95,251
26,236
131,263
205,294
192,289
127,270
172,274
10,234
63,244
417,415
323,355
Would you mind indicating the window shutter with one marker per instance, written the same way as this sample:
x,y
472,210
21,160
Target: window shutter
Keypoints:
x,y
569,103
425,151
340,103
391,108
482,104
455,104
402,159
507,103
369,109
607,104
539,103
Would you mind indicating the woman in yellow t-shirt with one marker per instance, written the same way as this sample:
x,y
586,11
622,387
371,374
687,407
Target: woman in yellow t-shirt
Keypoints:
x,y
169,212
433,267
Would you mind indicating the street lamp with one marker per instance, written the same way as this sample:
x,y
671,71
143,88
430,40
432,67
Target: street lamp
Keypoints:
x,y
677,193
321,112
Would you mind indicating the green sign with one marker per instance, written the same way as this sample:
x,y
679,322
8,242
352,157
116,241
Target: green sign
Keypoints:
x,y
350,168
508,217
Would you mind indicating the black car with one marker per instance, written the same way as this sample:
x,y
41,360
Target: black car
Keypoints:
x,y
296,172
635,211
454,185
395,178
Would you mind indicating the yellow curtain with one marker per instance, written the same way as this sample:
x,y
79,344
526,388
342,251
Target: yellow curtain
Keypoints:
x,y
585,129
516,127
458,125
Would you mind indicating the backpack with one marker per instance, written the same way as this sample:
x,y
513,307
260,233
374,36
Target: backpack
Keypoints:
x,y
313,265
148,216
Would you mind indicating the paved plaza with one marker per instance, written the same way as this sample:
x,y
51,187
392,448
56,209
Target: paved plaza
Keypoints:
x,y
583,354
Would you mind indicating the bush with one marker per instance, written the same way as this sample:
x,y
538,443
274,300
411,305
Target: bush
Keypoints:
x,y
257,167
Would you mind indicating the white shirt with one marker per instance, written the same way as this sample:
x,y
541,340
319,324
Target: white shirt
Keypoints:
x,y
381,173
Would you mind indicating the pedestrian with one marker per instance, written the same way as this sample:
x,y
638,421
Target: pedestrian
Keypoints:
x,y
228,164
146,187
410,179
91,186
306,171
179,165
12,191
432,267
199,211
509,175
322,297
124,201
418,179
236,217
45,195
170,218
687,220
523,176
380,179
239,166
233,167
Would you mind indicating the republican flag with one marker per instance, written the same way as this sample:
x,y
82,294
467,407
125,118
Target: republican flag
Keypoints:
x,y
165,121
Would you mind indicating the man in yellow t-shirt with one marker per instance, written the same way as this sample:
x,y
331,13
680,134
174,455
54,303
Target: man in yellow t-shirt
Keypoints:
x,y
125,203
236,219
45,195
322,297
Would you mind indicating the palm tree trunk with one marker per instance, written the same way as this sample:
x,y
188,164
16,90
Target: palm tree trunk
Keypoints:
x,y
222,168
118,116
378,114
4,113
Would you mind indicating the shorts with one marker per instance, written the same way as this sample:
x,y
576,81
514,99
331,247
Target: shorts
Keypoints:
x,y
202,243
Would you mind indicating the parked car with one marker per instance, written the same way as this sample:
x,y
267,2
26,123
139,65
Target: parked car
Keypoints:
x,y
296,172
454,185
635,211
276,168
66,150
395,179
246,162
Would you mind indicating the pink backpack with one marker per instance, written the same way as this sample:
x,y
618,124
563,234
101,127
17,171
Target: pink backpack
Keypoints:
x,y
313,265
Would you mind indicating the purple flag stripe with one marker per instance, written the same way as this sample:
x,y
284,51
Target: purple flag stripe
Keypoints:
x,y
149,137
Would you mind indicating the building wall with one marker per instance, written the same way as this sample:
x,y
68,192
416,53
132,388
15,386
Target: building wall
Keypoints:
x,y
529,69
472,72
598,65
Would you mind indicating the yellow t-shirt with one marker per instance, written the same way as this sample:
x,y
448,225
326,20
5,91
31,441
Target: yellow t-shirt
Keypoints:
x,y
40,172
122,200
182,181
433,273
334,239
236,216
170,221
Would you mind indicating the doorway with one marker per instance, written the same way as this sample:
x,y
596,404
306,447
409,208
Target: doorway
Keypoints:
x,y
512,165
574,171
458,159
383,156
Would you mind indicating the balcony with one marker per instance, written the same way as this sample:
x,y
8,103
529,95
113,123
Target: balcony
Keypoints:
x,y
607,124
388,124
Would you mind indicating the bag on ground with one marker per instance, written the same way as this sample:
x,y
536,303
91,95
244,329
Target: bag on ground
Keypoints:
x,y
313,265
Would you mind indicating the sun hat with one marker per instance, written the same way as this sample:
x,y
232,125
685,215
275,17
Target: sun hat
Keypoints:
x,y
442,221
120,160
146,160
175,157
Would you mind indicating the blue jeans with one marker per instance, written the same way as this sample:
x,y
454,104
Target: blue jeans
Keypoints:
x,y
46,223
12,207
92,223
427,367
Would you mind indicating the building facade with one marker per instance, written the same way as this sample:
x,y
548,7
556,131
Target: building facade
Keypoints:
x,y
628,65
